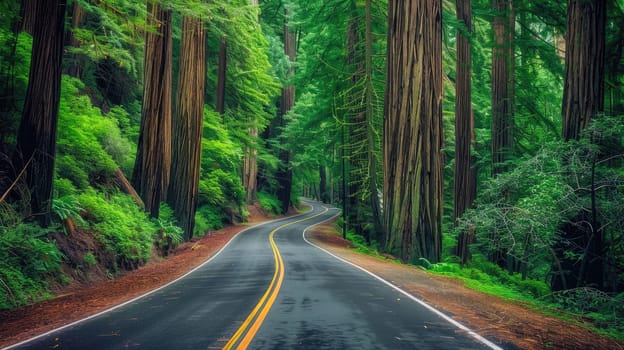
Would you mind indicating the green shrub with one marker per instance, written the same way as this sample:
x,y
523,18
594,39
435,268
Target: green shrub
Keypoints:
x,y
27,260
89,259
168,234
64,187
269,202
90,145
67,207
208,217
121,225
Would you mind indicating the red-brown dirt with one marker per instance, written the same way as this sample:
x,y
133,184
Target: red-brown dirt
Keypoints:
x,y
490,316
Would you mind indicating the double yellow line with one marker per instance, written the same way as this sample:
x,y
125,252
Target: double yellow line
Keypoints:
x,y
253,322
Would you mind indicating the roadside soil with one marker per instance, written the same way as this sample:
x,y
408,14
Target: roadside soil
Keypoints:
x,y
514,324
509,323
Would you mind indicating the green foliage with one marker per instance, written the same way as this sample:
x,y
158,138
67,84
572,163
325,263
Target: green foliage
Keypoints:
x,y
121,225
517,213
14,71
269,202
169,235
605,310
89,259
90,146
67,207
487,277
27,260
207,218
112,32
220,184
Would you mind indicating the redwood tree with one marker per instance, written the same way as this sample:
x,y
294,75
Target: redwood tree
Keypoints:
x,y
188,125
36,139
583,93
221,76
284,173
413,137
502,84
465,175
153,161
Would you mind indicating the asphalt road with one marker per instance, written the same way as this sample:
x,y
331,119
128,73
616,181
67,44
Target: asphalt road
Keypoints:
x,y
269,289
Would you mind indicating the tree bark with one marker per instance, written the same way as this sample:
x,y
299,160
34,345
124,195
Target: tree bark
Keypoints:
x,y
221,76
583,92
153,161
502,85
188,125
28,13
74,68
372,156
36,137
413,137
250,162
284,173
250,166
465,176
323,184
127,188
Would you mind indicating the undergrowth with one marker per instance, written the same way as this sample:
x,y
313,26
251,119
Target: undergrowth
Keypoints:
x,y
606,312
121,225
28,259
269,202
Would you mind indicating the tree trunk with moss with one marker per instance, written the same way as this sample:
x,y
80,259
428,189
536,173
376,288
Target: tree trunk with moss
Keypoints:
x,y
188,125
153,160
413,136
36,139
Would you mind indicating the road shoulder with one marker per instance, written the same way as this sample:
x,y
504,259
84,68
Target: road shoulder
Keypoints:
x,y
490,316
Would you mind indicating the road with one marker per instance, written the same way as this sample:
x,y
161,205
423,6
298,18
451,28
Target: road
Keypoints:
x,y
269,289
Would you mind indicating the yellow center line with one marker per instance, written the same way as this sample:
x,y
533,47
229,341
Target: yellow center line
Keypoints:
x,y
261,310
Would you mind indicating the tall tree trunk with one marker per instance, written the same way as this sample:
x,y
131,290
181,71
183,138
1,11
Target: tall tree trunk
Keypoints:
x,y
370,128
36,139
74,67
465,177
187,125
355,120
153,161
250,162
583,93
250,166
323,184
284,173
221,76
583,98
502,85
28,13
413,137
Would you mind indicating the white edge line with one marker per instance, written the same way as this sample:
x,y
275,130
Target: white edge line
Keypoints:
x,y
23,342
407,294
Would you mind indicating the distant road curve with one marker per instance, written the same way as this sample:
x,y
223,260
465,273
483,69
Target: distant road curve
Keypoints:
x,y
270,289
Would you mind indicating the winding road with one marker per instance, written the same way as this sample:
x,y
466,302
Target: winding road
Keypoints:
x,y
270,289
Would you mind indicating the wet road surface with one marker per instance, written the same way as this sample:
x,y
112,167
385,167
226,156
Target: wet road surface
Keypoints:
x,y
269,289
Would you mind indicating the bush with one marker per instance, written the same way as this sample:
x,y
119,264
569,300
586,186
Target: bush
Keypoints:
x,y
27,260
208,217
169,235
124,229
269,202
90,146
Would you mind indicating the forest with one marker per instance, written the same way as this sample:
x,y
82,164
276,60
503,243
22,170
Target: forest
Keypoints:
x,y
477,139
